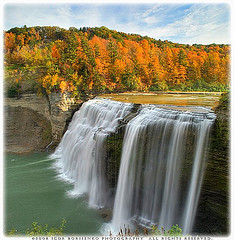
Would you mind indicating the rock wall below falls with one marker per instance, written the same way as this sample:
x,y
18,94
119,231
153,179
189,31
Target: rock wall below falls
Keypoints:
x,y
213,216
33,122
26,130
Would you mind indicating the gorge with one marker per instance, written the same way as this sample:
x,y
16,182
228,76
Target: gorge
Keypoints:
x,y
107,130
162,161
158,154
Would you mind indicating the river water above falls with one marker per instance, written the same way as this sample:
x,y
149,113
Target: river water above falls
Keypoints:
x,y
160,174
189,100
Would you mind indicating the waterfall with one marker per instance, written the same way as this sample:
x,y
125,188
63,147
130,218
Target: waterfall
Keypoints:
x,y
81,152
162,163
197,175
159,144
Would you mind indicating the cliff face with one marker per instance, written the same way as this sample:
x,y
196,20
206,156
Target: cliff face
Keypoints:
x,y
26,130
213,211
213,214
33,122
61,109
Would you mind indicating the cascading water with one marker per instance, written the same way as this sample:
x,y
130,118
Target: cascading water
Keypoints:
x,y
81,153
161,168
156,150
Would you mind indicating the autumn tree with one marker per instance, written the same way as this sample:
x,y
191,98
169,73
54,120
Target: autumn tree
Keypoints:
x,y
94,60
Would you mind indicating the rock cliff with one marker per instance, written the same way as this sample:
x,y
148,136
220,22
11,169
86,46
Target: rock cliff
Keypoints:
x,y
214,208
33,122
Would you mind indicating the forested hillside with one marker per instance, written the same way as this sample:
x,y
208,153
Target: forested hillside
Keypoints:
x,y
95,60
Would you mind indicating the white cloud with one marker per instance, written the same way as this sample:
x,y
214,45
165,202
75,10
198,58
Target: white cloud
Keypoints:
x,y
150,20
197,23
201,24
88,17
37,15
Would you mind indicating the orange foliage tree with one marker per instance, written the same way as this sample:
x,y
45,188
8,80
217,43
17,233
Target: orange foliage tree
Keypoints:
x,y
98,60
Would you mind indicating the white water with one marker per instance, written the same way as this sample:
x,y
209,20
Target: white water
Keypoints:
x,y
160,147
154,152
81,153
197,175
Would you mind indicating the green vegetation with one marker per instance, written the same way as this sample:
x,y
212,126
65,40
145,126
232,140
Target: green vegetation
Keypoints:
x,y
14,90
97,60
174,231
38,230
224,101
154,231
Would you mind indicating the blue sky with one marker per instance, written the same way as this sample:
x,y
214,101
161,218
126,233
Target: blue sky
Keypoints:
x,y
182,23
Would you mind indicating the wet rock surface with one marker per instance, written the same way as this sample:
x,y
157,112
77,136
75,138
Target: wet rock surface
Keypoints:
x,y
33,122
214,212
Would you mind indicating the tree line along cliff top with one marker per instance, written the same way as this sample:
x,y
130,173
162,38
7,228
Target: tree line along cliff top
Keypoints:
x,y
96,60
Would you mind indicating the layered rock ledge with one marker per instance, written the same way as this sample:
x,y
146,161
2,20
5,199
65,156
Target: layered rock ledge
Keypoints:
x,y
36,123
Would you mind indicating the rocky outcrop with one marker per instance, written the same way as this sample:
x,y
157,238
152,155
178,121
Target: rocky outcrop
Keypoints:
x,y
213,211
33,122
113,148
26,130
61,109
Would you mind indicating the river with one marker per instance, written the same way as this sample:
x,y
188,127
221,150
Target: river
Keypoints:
x,y
33,193
176,99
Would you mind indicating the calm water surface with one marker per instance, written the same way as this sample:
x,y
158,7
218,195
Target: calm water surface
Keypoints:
x,y
33,193
204,100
